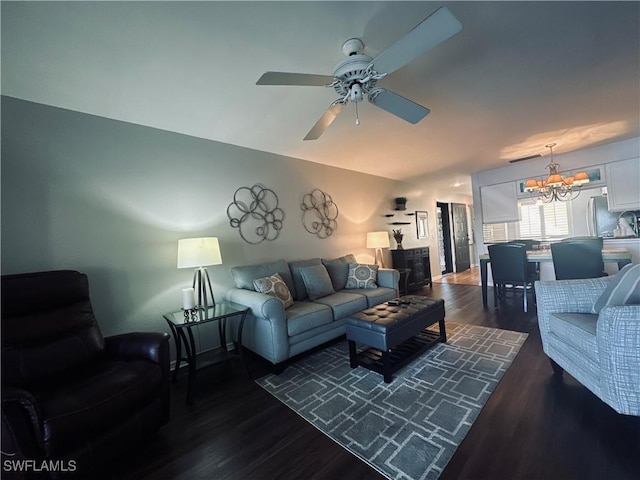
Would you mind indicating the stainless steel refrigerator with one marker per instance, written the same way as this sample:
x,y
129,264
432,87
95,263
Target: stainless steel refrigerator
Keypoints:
x,y
602,223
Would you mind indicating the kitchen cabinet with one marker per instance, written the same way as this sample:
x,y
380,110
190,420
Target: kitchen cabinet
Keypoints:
x,y
417,260
499,203
623,185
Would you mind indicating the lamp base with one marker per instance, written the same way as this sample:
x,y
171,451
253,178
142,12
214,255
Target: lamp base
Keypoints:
x,y
202,285
190,315
379,260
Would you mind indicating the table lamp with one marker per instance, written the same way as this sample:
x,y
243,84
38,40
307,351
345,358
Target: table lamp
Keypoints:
x,y
378,240
199,253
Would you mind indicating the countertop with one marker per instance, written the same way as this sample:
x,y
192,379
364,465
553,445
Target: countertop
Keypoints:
x,y
613,240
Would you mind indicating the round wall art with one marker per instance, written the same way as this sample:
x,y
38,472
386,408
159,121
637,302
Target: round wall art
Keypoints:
x,y
319,213
255,213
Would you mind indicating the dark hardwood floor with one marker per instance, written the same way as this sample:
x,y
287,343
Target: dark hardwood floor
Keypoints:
x,y
471,276
531,428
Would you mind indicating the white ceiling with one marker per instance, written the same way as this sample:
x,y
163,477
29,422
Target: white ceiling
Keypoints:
x,y
518,76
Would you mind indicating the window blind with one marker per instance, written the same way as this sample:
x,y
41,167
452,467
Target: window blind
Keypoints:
x,y
547,220
543,221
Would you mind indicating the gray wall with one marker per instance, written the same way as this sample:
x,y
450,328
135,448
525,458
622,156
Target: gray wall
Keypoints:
x,y
111,199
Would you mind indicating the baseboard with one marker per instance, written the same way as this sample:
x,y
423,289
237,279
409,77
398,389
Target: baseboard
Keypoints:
x,y
220,349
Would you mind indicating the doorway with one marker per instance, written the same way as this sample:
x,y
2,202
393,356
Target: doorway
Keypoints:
x,y
444,237
453,237
460,236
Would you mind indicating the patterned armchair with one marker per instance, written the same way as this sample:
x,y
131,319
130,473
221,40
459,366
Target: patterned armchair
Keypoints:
x,y
591,329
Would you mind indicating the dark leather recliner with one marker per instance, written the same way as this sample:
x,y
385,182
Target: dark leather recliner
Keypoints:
x,y
70,395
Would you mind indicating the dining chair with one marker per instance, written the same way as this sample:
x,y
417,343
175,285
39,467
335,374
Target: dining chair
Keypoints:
x,y
528,242
509,266
533,267
585,237
578,258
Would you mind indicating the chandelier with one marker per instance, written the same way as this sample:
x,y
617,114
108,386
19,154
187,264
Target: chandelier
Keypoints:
x,y
556,187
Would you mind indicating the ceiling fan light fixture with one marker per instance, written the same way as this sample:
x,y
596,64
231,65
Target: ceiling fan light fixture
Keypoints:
x,y
357,74
355,93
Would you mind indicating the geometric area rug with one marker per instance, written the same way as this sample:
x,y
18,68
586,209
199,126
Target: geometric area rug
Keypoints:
x,y
410,428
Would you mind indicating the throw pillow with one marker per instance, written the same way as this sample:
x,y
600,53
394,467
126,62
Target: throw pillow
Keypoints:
x,y
624,289
317,281
245,275
338,269
300,292
362,276
274,286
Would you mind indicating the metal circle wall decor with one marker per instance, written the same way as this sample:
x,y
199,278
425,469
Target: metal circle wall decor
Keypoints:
x,y
319,213
255,213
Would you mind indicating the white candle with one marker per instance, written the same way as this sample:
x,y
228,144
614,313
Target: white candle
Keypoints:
x,y
188,298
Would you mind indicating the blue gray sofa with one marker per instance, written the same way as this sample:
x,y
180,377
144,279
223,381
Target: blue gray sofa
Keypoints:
x,y
321,303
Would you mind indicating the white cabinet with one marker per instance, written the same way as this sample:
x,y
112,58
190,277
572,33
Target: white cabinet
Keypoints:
x,y
623,185
499,203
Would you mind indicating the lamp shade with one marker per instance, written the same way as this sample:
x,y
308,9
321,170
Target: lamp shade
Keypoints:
x,y
531,185
378,240
581,178
554,180
198,252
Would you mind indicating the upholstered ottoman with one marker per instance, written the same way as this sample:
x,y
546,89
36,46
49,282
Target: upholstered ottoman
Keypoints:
x,y
395,333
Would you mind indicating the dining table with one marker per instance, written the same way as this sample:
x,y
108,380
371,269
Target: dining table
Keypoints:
x,y
621,256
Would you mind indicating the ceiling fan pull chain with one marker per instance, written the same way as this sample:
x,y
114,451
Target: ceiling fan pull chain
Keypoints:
x,y
357,118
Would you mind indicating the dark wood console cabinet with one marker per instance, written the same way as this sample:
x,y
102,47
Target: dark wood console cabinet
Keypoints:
x,y
417,260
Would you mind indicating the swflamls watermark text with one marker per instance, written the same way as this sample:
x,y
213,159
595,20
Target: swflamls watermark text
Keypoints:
x,y
31,465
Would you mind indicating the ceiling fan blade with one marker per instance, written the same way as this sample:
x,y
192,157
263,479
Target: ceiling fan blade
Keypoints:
x,y
300,79
325,120
398,105
434,29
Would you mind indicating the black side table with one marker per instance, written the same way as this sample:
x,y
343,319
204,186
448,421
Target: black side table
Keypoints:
x,y
182,329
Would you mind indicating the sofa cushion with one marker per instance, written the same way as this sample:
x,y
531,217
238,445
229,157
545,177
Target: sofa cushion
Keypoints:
x,y
300,291
245,275
344,304
362,276
624,289
303,316
374,296
577,330
316,281
338,269
274,286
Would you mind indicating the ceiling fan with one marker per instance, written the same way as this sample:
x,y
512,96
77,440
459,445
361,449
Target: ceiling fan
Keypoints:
x,y
358,74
